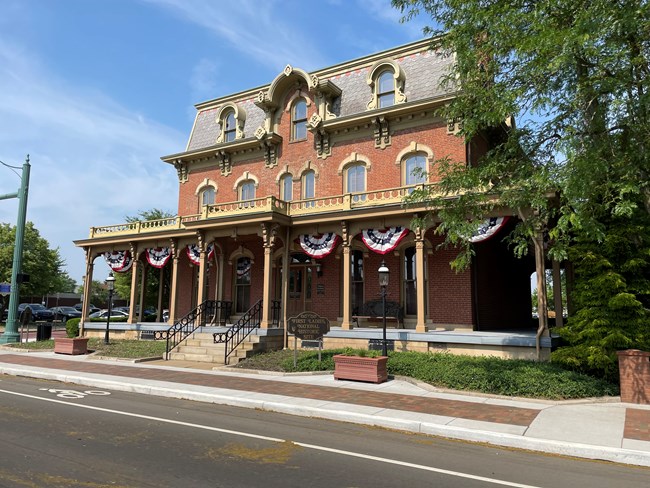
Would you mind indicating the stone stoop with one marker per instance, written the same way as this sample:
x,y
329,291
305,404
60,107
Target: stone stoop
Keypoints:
x,y
200,347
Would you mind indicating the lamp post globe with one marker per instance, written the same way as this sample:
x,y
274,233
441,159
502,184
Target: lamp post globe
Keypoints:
x,y
110,284
384,275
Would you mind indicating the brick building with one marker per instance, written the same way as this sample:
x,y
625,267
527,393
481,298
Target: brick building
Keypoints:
x,y
292,192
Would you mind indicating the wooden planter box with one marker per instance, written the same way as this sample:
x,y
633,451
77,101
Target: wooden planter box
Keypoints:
x,y
73,346
357,368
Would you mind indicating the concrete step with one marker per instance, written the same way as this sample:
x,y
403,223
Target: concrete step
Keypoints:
x,y
196,357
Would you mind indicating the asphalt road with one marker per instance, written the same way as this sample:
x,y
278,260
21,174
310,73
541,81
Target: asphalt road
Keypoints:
x,y
50,437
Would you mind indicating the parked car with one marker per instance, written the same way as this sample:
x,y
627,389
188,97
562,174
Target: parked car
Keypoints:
x,y
91,307
102,314
39,312
65,313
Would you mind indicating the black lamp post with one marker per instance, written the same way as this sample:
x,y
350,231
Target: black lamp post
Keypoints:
x,y
110,283
383,283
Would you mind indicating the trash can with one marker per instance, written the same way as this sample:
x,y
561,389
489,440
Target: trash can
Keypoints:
x,y
43,332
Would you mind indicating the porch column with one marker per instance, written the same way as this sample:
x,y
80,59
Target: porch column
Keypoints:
x,y
203,265
347,266
421,324
557,294
134,283
542,310
88,280
285,285
219,284
174,281
268,235
143,289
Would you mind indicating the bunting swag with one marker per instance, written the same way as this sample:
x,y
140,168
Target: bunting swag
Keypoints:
x,y
383,242
158,256
195,256
318,247
119,261
487,229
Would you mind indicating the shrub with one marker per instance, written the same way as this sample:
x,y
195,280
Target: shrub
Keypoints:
x,y
72,327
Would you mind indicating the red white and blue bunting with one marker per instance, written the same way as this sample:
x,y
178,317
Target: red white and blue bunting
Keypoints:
x,y
385,241
318,247
119,261
487,229
195,256
158,256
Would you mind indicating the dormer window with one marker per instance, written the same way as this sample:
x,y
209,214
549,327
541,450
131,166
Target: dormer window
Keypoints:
x,y
229,127
231,119
299,120
385,89
386,80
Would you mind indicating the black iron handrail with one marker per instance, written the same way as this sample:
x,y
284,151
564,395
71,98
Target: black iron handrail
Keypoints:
x,y
250,321
210,312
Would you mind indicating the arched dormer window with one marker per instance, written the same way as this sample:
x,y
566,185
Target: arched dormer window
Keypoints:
x,y
385,89
231,119
229,127
299,120
386,79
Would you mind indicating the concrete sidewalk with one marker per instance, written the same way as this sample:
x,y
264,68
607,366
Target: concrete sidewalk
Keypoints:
x,y
594,429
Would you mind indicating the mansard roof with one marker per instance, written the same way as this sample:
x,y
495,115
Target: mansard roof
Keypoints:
x,y
348,85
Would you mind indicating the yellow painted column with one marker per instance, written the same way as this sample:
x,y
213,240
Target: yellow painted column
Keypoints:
x,y
143,289
88,281
134,284
542,309
347,302
266,294
203,266
174,284
421,324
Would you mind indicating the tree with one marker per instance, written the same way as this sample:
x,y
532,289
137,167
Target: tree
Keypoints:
x,y
43,265
577,76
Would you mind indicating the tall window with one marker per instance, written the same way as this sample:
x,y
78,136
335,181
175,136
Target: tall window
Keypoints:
x,y
286,188
299,120
356,181
385,89
414,168
356,278
410,282
229,127
308,185
247,192
207,196
243,285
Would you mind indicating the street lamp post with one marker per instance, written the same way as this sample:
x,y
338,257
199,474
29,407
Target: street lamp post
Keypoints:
x,y
110,283
383,283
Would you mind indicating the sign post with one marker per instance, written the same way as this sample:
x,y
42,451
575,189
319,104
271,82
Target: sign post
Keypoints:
x,y
307,326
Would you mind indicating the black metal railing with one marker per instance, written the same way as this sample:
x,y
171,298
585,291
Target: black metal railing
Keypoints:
x,y
250,321
210,312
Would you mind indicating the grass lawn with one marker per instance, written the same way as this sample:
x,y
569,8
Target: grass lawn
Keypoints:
x,y
131,349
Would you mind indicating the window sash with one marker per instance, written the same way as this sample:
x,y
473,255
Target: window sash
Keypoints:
x,y
412,163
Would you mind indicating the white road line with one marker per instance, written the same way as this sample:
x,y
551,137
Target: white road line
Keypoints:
x,y
274,439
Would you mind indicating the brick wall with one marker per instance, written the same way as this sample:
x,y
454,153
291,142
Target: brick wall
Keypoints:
x,y
634,370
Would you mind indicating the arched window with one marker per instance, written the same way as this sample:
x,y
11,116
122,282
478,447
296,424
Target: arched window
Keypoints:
x,y
246,192
208,195
355,181
286,188
299,120
229,126
415,167
385,89
308,184
243,285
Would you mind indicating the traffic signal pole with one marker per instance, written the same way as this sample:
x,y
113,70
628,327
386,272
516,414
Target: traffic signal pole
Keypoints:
x,y
11,328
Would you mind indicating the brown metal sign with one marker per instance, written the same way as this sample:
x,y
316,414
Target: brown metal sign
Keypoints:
x,y
308,326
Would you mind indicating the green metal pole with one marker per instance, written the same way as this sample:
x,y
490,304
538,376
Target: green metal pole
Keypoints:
x,y
11,329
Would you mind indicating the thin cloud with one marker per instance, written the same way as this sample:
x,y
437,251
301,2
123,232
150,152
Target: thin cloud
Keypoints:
x,y
93,161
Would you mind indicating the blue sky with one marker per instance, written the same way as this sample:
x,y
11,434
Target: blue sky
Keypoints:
x,y
96,91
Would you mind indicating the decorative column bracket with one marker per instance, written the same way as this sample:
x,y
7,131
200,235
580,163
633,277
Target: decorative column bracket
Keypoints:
x,y
181,170
269,142
381,132
225,162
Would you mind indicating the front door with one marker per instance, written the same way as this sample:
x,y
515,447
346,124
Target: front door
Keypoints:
x,y
300,285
